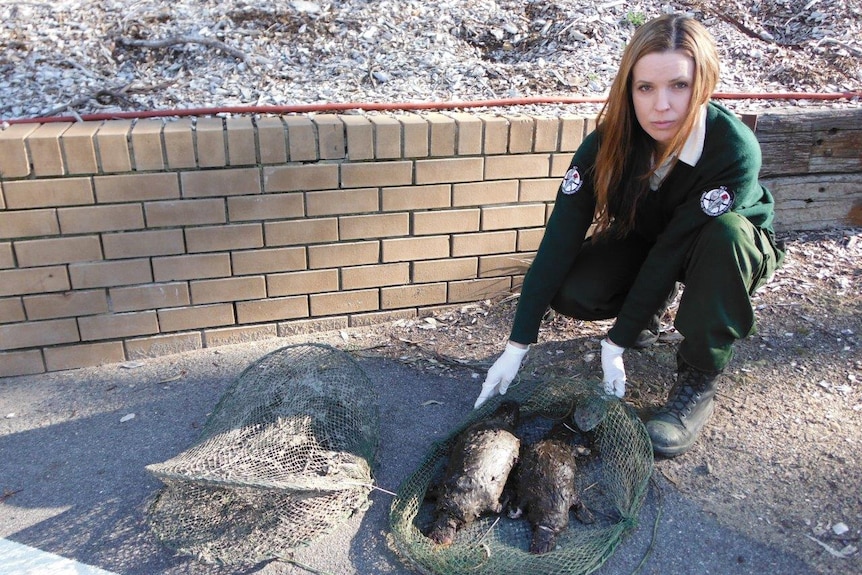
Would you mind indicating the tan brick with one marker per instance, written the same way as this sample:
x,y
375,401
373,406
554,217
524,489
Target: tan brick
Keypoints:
x,y
271,140
136,187
442,137
301,231
529,240
469,130
179,143
445,222
589,125
409,249
196,266
524,166
209,139
195,317
449,170
227,289
117,325
387,137
476,290
106,218
376,174
142,244
272,309
330,136
66,304
222,238
38,333
48,193
300,178
373,226
483,193
548,210
380,317
11,310
520,134
302,139
412,295
45,151
159,345
343,202
415,133
147,145
108,274
236,335
445,270
58,251
300,283
210,183
84,355
79,148
507,217
483,243
344,302
496,130
33,280
343,254
547,134
7,258
241,148
265,207
184,213
306,326
14,157
571,133
31,223
416,197
360,137
151,296
541,190
361,277
113,141
560,165
504,265
21,363
264,261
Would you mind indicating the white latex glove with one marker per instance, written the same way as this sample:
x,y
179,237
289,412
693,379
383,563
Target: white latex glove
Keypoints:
x,y
613,370
502,373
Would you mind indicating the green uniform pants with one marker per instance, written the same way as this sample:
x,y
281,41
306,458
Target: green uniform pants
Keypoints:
x,y
727,262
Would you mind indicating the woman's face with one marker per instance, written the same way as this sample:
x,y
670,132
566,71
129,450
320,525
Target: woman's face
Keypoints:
x,y
661,93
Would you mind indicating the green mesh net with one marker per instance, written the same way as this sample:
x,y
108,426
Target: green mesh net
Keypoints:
x,y
612,483
284,457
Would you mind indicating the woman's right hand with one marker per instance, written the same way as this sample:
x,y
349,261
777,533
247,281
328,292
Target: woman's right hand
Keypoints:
x,y
501,374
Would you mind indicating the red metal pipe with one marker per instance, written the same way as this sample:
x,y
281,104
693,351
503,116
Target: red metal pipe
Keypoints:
x,y
383,106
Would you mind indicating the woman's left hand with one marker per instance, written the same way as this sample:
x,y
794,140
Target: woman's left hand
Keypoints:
x,y
613,370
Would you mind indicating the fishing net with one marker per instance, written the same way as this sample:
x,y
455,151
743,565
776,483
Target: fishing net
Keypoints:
x,y
284,457
612,482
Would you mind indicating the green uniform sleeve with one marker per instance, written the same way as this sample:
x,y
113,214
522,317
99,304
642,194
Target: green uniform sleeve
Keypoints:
x,y
567,227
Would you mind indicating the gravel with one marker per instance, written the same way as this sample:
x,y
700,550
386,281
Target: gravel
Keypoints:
x,y
77,57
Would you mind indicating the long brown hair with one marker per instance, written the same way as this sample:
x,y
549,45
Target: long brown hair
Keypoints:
x,y
625,157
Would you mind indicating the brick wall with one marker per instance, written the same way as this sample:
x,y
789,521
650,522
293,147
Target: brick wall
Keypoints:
x,y
130,239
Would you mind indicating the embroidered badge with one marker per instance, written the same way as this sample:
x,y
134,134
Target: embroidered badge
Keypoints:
x,y
572,182
717,201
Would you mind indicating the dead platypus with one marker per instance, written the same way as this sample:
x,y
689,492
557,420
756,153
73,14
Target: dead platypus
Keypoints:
x,y
479,464
546,488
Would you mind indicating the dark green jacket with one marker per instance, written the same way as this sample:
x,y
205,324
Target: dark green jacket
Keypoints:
x,y
725,178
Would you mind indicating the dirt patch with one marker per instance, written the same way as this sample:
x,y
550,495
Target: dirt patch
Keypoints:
x,y
780,459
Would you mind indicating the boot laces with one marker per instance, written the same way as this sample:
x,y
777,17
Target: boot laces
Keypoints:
x,y
684,396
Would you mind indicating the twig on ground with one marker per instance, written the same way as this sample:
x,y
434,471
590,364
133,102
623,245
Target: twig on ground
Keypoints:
x,y
177,40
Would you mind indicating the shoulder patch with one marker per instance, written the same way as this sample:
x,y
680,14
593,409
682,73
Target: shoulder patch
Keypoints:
x,y
572,182
716,201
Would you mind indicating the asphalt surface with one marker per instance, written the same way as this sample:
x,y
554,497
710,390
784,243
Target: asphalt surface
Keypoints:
x,y
73,483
